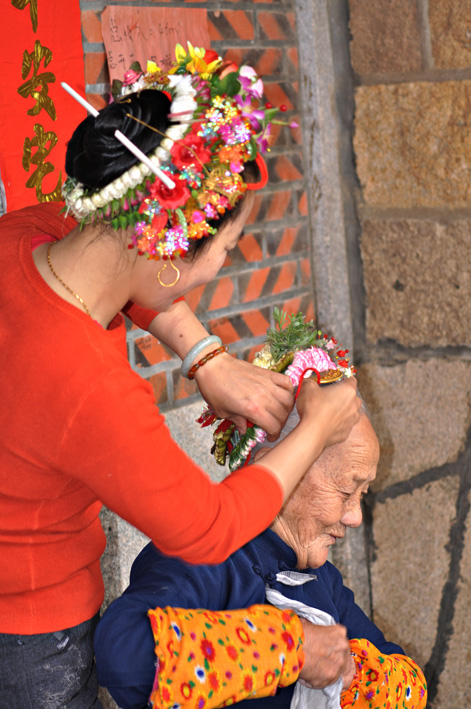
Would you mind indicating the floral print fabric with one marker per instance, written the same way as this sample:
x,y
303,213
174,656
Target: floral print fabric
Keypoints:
x,y
384,681
208,659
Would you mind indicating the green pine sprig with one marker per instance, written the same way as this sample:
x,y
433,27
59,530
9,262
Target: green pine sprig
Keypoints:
x,y
291,334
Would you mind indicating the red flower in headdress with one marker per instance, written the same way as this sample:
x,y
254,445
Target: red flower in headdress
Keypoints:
x,y
210,56
170,198
191,150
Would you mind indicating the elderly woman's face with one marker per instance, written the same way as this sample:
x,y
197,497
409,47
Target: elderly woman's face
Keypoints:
x,y
328,498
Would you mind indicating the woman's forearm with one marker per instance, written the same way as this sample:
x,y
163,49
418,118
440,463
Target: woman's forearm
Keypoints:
x,y
178,328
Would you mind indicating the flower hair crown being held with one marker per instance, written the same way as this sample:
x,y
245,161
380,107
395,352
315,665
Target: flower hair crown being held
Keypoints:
x,y
295,348
214,126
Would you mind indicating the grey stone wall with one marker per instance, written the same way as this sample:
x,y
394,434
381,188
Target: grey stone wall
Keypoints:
x,y
411,64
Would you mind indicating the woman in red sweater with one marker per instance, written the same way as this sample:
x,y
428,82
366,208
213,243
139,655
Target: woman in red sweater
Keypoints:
x,y
79,427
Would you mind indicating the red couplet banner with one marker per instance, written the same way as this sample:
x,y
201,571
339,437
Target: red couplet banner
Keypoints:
x,y
41,46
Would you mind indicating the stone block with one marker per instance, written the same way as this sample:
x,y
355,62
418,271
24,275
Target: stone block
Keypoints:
x,y
418,285
421,413
450,30
458,658
411,533
385,36
413,144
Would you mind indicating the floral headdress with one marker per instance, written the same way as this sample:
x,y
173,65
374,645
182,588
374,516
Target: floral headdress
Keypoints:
x,y
295,348
217,126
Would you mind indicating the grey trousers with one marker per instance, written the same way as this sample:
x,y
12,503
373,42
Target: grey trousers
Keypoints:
x,y
49,670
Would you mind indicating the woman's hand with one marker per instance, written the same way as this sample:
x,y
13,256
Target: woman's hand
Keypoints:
x,y
327,655
241,392
336,407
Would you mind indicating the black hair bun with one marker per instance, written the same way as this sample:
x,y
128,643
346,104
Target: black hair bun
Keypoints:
x,y
95,157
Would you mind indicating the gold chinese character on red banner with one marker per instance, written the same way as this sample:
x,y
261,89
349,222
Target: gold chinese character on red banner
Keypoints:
x,y
37,85
44,141
33,10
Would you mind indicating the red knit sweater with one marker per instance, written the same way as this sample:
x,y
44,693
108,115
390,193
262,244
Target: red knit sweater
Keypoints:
x,y
79,428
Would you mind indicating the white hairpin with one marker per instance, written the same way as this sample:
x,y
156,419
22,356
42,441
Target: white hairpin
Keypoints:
x,y
122,139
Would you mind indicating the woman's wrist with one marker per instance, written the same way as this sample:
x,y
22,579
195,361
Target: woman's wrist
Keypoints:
x,y
198,351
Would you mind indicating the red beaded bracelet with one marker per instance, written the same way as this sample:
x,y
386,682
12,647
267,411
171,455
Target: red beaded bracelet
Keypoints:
x,y
206,358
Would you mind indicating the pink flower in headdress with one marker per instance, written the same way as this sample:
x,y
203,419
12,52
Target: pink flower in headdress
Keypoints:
x,y
250,82
170,198
131,77
313,357
254,116
264,139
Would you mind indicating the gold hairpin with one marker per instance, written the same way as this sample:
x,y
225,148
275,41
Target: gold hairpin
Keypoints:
x,y
156,130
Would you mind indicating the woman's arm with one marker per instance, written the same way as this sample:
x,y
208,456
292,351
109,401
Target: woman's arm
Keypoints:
x,y
233,388
132,464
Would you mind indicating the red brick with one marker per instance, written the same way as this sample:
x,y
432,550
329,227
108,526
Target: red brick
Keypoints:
x,y
286,170
250,248
277,96
182,387
230,24
159,385
296,305
223,294
287,241
266,62
291,307
255,284
287,277
270,62
193,297
277,25
152,350
224,329
236,55
305,272
302,205
256,322
278,206
91,25
96,68
258,201
293,56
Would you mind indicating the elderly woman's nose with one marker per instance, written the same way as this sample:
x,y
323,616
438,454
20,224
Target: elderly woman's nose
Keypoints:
x,y
353,517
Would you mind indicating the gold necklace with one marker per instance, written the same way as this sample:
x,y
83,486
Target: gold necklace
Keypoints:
x,y
76,295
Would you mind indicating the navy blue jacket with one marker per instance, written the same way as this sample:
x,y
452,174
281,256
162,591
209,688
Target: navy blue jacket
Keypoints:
x,y
124,643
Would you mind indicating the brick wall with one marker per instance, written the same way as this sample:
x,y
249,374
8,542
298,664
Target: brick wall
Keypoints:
x,y
411,62
271,265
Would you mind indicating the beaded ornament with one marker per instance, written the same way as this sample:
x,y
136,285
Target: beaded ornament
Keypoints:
x,y
295,348
217,125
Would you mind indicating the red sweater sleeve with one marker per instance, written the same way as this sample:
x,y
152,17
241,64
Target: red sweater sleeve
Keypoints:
x,y
141,316
125,454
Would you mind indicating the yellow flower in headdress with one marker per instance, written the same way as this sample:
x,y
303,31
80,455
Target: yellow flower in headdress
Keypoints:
x,y
202,61
152,68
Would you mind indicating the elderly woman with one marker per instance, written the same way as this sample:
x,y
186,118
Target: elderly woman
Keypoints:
x,y
219,655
